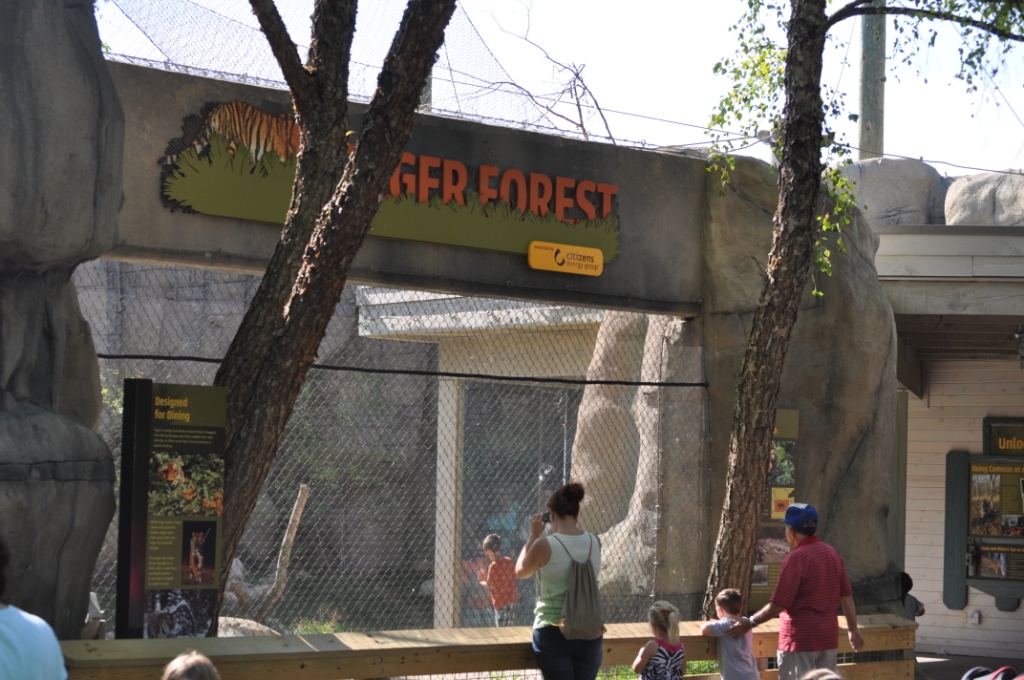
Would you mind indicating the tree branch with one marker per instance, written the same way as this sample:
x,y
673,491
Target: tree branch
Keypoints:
x,y
856,8
281,44
331,46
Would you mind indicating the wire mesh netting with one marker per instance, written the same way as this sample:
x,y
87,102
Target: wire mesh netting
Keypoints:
x,y
430,422
222,39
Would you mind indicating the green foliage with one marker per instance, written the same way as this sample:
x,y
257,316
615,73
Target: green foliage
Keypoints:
x,y
231,184
701,667
754,105
986,29
784,471
626,672
316,627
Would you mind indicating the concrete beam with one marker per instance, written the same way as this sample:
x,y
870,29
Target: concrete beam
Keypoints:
x,y
659,204
972,297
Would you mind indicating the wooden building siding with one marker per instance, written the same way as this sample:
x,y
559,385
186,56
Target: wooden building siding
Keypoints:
x,y
957,396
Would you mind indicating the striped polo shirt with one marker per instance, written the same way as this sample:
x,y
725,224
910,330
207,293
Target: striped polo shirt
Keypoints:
x,y
811,581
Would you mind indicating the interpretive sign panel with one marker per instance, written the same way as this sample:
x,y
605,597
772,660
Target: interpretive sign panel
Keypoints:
x,y
771,540
172,498
1004,436
997,499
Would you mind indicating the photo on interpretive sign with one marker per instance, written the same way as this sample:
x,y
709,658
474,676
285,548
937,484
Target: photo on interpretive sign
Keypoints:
x,y
1001,562
771,545
1013,525
760,577
993,565
985,507
186,484
178,613
198,553
781,479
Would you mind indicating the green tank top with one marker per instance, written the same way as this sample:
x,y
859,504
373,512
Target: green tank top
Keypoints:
x,y
553,577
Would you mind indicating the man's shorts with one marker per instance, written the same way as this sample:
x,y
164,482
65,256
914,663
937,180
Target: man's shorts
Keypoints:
x,y
794,665
503,616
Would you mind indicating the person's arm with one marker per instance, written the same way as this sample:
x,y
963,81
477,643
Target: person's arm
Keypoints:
x,y
711,628
740,627
646,652
483,577
856,639
536,553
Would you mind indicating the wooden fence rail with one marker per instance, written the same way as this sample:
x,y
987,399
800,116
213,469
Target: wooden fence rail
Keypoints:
x,y
404,653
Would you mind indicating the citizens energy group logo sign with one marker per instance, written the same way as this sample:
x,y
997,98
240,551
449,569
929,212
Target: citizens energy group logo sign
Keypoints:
x,y
235,160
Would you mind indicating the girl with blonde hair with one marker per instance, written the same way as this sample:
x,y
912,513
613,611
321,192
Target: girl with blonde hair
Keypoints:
x,y
663,658
190,666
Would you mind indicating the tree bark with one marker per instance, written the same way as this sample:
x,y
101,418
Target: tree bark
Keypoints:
x,y
334,200
789,263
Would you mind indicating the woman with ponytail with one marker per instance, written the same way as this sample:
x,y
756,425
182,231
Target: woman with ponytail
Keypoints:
x,y
551,557
663,658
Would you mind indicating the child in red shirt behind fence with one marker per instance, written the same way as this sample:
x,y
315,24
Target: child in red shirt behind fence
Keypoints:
x,y
500,579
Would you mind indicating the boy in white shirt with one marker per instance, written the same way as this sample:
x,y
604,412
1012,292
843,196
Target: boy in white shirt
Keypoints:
x,y
735,657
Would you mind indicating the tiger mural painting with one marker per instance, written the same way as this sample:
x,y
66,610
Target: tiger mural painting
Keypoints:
x,y
241,125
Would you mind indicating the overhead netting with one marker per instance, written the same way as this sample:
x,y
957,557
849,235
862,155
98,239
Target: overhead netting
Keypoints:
x,y
222,39
431,421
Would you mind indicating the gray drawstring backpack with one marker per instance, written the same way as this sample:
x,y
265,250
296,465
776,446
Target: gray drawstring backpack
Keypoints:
x,y
581,613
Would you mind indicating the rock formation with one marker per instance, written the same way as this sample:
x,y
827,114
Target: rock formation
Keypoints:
x,y
988,199
658,526
840,371
662,544
899,191
606,445
61,128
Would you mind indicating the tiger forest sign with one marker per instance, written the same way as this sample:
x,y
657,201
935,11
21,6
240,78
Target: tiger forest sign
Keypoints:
x,y
235,160
460,213
172,499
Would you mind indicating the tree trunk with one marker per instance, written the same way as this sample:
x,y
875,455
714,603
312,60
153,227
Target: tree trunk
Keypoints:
x,y
327,222
788,268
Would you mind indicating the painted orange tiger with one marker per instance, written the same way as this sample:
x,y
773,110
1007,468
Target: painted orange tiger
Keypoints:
x,y
241,125
174,472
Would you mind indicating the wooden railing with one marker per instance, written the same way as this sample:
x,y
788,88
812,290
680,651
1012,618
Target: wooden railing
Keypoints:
x,y
429,652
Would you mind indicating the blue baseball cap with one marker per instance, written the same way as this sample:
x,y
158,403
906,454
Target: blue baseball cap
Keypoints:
x,y
801,517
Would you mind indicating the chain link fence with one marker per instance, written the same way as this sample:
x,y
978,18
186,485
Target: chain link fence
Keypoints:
x,y
430,422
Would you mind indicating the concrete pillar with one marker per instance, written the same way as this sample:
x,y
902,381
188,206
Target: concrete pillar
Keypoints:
x,y
448,514
871,123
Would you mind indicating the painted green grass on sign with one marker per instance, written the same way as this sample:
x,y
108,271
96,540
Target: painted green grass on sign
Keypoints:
x,y
495,226
232,184
235,185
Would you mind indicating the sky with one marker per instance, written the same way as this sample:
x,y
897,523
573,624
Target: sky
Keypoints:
x,y
654,58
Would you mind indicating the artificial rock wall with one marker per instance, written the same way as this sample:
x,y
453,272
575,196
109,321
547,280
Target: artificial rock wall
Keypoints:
x,y
840,373
62,130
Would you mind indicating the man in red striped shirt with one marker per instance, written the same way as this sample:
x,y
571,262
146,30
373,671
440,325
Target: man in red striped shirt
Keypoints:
x,y
812,585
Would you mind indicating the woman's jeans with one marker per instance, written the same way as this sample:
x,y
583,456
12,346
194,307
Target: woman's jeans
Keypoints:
x,y
561,659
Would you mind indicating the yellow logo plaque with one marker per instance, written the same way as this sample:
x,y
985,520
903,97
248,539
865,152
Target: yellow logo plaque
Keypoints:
x,y
559,257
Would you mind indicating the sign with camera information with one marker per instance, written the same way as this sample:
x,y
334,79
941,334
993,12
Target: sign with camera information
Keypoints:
x,y
172,499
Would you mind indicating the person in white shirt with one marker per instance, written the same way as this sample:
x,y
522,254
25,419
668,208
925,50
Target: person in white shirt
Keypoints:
x,y
28,647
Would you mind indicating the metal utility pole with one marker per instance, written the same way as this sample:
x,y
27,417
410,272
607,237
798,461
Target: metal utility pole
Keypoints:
x,y
871,137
